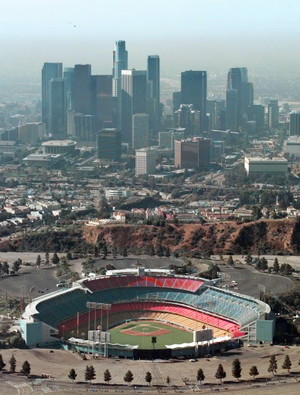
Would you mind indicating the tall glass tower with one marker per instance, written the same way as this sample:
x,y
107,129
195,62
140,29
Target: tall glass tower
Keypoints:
x,y
134,99
120,62
194,91
49,71
238,79
153,77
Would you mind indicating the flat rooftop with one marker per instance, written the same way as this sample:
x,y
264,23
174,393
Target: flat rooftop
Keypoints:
x,y
60,143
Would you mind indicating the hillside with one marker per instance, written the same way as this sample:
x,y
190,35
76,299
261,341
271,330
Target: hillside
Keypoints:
x,y
264,236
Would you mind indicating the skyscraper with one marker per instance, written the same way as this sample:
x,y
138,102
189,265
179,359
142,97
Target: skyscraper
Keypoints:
x,y
145,161
256,112
49,71
295,123
102,101
134,87
194,91
273,114
109,144
140,131
232,110
238,79
153,76
69,86
82,93
120,62
58,112
193,153
189,118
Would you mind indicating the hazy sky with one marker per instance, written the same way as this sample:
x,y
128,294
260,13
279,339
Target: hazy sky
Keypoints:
x,y
187,34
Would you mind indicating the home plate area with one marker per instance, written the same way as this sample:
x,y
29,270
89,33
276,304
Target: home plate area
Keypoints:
x,y
145,330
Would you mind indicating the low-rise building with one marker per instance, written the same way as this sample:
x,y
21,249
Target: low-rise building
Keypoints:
x,y
265,165
292,146
59,147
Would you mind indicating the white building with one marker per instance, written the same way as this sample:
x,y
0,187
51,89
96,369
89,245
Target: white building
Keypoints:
x,y
292,146
145,161
117,193
265,165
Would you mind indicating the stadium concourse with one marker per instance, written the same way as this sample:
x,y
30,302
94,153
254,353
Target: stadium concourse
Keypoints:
x,y
85,315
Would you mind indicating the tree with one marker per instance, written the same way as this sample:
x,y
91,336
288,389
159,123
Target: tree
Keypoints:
x,y
148,378
89,374
125,253
5,267
153,341
26,368
230,261
47,258
13,364
167,253
220,373
2,364
276,265
128,378
16,265
16,341
168,380
253,372
200,375
236,368
287,364
38,261
72,375
104,251
272,365
55,259
248,259
107,376
262,264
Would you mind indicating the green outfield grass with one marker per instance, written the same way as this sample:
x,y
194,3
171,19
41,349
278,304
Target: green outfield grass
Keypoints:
x,y
148,329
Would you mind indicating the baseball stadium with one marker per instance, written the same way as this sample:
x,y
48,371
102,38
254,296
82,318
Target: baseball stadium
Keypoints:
x,y
143,313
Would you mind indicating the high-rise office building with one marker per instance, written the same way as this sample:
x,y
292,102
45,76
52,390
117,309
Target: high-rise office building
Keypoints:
x,y
193,153
120,62
232,110
83,127
214,109
134,92
273,114
194,91
153,76
167,139
82,92
102,101
69,86
295,123
145,161
256,112
32,132
49,72
176,100
58,111
109,144
189,118
237,79
140,131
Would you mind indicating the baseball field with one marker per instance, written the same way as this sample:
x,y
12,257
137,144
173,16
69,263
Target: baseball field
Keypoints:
x,y
141,333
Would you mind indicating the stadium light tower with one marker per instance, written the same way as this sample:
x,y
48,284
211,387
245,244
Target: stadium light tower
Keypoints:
x,y
101,306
